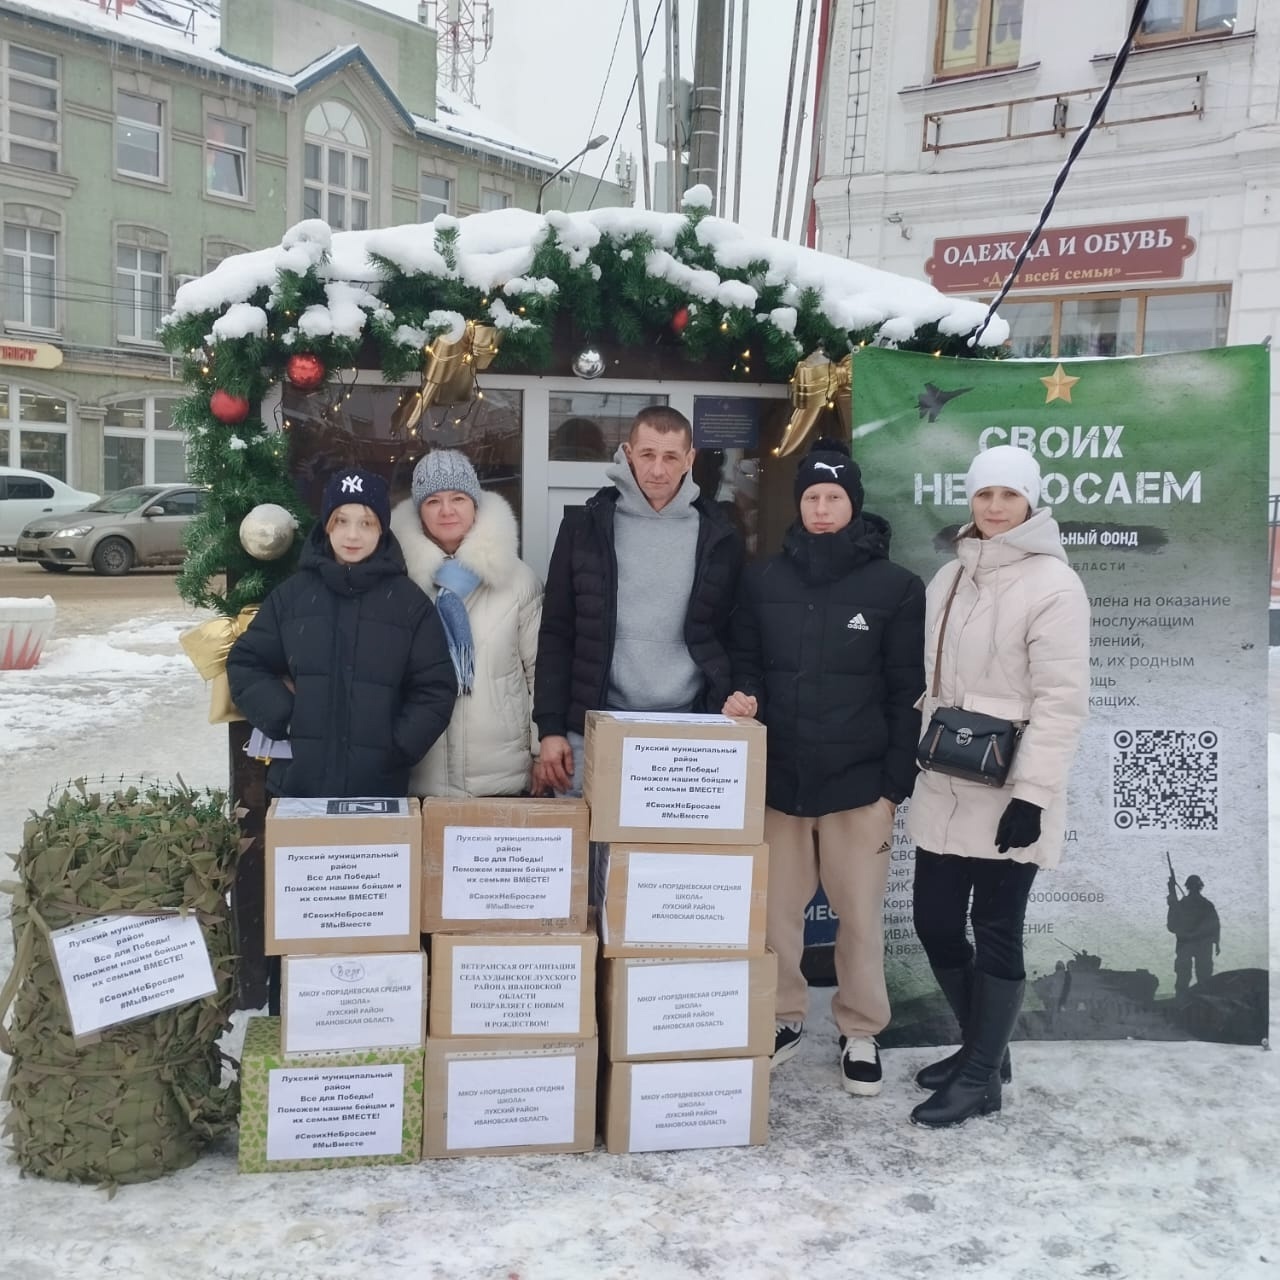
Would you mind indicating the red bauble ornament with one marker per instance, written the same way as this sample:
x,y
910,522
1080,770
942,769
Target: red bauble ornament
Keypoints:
x,y
227,408
680,320
305,371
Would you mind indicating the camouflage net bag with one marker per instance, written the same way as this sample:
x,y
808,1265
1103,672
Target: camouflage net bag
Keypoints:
x,y
144,1098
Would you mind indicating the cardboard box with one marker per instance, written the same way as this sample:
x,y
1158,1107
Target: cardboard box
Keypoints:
x,y
677,1106
343,876
668,1009
694,900
326,1110
512,1097
504,866
676,779
512,985
371,1001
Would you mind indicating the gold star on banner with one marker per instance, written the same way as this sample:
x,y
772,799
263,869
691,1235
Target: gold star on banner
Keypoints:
x,y
1058,386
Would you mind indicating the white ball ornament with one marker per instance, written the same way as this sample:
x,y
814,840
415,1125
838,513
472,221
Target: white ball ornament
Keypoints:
x,y
267,532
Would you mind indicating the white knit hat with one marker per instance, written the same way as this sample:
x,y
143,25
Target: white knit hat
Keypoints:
x,y
1008,467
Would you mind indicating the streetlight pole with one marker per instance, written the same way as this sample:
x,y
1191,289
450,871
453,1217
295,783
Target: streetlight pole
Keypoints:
x,y
598,141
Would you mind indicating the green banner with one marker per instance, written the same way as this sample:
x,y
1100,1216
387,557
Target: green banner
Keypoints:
x,y
1156,469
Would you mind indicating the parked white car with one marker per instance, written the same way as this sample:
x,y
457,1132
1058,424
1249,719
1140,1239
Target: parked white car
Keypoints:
x,y
27,495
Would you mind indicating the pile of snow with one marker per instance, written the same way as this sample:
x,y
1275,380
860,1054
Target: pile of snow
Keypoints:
x,y
495,252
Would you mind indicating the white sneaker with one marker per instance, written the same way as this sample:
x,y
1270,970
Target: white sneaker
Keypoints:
x,y
786,1041
860,1066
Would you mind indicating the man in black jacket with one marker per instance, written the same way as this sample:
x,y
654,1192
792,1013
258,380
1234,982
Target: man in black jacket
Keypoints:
x,y
638,598
828,651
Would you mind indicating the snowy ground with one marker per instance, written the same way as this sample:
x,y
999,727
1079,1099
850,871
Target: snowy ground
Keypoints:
x,y
1112,1160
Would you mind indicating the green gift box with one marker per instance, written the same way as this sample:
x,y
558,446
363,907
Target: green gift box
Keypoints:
x,y
326,1110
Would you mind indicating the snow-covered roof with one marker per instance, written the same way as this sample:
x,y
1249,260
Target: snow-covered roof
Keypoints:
x,y
189,31
495,252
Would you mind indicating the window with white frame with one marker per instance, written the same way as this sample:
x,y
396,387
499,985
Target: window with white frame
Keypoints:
x,y
139,136
226,158
33,430
29,102
977,35
435,195
140,291
490,199
335,168
1187,19
30,274
140,444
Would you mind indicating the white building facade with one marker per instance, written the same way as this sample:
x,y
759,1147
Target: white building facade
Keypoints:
x,y
946,122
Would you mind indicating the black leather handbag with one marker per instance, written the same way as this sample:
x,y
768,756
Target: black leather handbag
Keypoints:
x,y
966,744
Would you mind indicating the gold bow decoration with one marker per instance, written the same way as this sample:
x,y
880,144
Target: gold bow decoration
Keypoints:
x,y
208,646
817,384
448,372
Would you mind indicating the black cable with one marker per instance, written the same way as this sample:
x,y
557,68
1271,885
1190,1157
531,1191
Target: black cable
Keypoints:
x,y
1139,12
591,133
634,81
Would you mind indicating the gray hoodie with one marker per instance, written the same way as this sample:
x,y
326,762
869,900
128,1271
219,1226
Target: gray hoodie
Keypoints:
x,y
657,554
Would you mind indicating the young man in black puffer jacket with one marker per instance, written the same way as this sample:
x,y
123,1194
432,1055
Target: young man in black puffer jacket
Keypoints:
x,y
827,648
347,659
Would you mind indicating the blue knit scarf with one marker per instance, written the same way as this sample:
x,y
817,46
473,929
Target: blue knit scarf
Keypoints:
x,y
454,583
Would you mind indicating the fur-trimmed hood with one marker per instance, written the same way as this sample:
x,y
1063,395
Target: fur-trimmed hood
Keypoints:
x,y
490,549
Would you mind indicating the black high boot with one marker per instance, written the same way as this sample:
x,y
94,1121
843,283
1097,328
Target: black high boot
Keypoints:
x,y
974,1087
957,986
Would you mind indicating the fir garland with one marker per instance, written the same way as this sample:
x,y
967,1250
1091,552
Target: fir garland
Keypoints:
x,y
615,291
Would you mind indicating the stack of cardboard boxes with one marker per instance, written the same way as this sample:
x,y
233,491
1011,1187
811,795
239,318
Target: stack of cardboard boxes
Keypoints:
x,y
688,988
348,1075
512,1047
338,1078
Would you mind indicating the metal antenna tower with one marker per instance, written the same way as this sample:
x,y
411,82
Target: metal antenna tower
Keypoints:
x,y
464,36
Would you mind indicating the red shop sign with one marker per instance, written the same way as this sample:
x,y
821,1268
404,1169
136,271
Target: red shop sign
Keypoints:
x,y
1063,257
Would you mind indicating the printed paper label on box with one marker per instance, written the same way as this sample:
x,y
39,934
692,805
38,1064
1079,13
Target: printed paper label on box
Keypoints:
x,y
526,1101
354,807
673,782
681,1105
513,990
678,1008
694,899
117,968
342,890
318,1113
493,873
353,1002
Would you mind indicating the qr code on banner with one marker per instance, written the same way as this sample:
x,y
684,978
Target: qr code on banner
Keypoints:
x,y
1165,779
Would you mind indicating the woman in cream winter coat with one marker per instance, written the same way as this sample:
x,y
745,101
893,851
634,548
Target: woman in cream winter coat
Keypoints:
x,y
460,547
1016,645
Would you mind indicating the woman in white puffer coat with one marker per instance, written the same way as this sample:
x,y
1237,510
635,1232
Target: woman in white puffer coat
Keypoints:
x,y
1015,644
460,546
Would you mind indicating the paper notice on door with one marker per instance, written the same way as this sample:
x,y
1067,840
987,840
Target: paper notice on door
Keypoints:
x,y
681,1008
505,873
680,782
342,891
517,990
117,968
326,1112
689,899
525,1101
676,1106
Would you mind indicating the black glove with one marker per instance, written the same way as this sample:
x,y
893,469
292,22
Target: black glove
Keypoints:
x,y
1019,826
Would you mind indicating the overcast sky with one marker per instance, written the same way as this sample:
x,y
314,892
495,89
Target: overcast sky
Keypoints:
x,y
547,68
